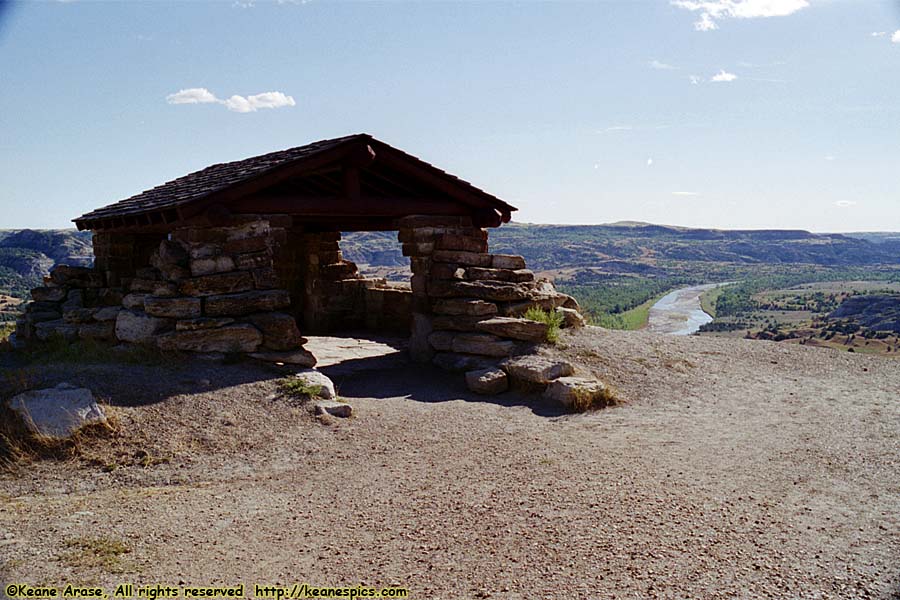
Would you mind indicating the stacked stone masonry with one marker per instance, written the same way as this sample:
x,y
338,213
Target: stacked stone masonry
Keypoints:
x,y
243,287
201,289
467,303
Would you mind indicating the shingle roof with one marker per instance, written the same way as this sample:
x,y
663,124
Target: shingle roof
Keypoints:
x,y
219,177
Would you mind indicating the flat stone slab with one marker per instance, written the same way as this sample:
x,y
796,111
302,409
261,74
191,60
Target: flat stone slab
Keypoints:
x,y
575,392
241,337
517,329
335,409
300,357
483,344
487,381
536,369
57,412
359,353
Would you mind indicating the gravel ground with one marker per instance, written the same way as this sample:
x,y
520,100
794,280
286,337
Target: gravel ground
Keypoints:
x,y
731,469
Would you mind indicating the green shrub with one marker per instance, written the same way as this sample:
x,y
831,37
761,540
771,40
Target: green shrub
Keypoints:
x,y
553,319
298,388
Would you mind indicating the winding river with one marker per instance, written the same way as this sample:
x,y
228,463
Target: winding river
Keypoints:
x,y
679,312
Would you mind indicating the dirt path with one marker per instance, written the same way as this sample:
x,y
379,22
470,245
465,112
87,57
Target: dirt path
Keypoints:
x,y
734,469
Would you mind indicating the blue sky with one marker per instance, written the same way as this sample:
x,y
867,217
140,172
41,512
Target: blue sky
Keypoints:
x,y
714,113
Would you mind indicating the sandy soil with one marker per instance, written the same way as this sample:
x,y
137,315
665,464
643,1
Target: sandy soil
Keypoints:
x,y
732,469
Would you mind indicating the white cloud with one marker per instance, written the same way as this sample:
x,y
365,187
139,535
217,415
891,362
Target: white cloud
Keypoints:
x,y
895,37
695,79
616,128
878,33
845,203
242,104
253,103
191,96
685,194
723,76
712,11
661,66
705,23
649,161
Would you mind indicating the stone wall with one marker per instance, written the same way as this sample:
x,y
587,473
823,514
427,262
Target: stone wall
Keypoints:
x,y
467,303
204,289
74,303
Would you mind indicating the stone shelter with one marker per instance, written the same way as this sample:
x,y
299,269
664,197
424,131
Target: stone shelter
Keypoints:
x,y
242,257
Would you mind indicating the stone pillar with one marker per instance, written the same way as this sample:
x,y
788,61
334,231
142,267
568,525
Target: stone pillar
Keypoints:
x,y
460,291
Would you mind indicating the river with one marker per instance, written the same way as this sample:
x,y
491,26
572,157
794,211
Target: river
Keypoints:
x,y
679,312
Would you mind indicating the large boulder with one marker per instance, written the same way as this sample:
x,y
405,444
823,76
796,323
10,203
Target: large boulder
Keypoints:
x,y
246,303
517,329
317,380
279,330
576,393
487,381
534,369
241,337
137,327
57,412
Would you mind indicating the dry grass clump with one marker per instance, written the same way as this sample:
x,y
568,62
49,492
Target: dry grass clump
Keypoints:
x,y
19,444
98,553
6,329
584,399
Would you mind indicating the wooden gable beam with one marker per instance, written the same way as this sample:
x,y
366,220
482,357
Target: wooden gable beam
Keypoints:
x,y
398,162
357,154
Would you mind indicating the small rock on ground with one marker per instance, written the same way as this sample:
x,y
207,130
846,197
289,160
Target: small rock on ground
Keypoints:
x,y
335,409
487,381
